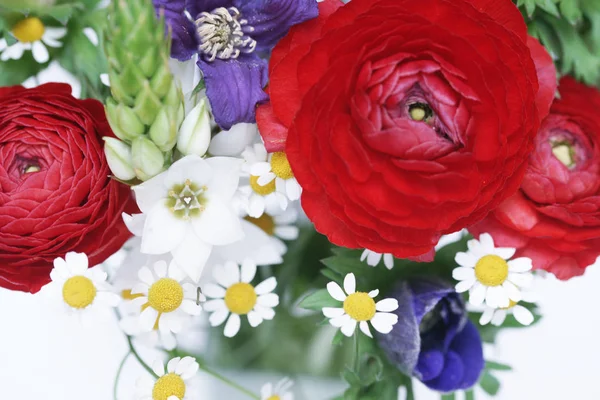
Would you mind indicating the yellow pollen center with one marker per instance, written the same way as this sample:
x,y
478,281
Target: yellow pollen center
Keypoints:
x,y
264,222
417,114
360,306
32,168
281,166
274,397
240,298
262,190
491,270
564,153
168,385
29,30
165,295
79,292
511,304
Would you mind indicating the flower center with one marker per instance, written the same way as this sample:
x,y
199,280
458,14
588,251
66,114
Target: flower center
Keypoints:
x,y
240,298
29,30
511,304
187,201
165,295
491,270
420,112
79,292
168,385
564,152
264,222
281,166
221,34
262,190
274,397
360,306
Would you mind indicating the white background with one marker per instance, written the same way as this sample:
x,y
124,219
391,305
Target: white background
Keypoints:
x,y
45,355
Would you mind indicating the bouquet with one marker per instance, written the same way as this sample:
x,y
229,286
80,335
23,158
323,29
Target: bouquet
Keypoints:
x,y
376,185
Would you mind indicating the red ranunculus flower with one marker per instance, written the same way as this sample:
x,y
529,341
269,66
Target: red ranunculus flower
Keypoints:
x,y
555,218
404,120
56,195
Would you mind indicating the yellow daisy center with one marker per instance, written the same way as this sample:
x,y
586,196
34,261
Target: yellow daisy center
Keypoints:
x,y
511,304
262,190
360,306
281,166
491,270
127,295
264,222
29,30
168,385
165,295
240,298
79,292
274,397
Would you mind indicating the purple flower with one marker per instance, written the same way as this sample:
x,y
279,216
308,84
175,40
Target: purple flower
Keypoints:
x,y
433,340
231,37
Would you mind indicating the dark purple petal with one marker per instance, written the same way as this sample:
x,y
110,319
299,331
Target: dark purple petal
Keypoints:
x,y
471,354
451,376
196,7
234,87
271,19
184,44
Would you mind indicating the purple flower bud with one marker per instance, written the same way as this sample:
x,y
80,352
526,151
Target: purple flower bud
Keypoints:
x,y
434,341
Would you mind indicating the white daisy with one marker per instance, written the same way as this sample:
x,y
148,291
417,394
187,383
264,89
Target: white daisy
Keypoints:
x,y
235,295
360,308
277,168
497,315
279,391
489,273
188,209
163,300
374,258
83,291
172,384
31,35
279,227
260,194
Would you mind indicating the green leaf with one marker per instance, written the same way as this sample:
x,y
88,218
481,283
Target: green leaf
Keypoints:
x,y
14,72
319,299
449,396
496,366
489,384
63,12
470,395
546,5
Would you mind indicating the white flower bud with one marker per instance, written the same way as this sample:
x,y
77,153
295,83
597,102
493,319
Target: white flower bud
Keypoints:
x,y
148,160
118,155
194,134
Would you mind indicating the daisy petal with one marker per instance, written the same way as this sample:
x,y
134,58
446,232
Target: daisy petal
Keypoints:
x,y
218,317
254,319
463,273
364,327
266,286
521,264
384,322
40,52
336,291
158,367
465,259
477,294
505,252
512,291
232,327
486,316
523,315
333,312
387,305
350,284
499,317
465,285
520,279
374,293
349,327
268,300
213,291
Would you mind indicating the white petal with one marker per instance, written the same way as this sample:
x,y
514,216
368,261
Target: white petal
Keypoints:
x,y
162,231
505,252
191,307
486,242
14,52
364,254
234,141
191,255
373,259
91,35
374,293
223,276
267,286
477,294
191,370
486,316
265,312
174,272
523,315
254,319
232,327
260,168
146,276
55,32
233,270
149,193
465,259
172,364
193,168
499,317
226,176
364,327
463,286
350,284
256,205
218,317
293,189
77,263
287,232
158,367
463,273
521,264
349,327
497,297
520,279
148,319
268,300
333,312
387,305
248,271
218,224
214,305
388,261
336,291
512,291
340,321
135,223
40,52
266,179
213,291
384,322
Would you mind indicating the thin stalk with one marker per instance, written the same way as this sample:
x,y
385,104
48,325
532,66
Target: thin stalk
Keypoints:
x,y
229,382
121,365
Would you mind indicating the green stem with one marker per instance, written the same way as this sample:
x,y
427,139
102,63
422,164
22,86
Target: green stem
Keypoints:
x,y
356,351
137,357
116,385
229,382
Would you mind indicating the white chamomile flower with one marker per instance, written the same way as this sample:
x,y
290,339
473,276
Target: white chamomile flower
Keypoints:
x,y
279,227
163,300
279,391
32,35
278,172
373,258
489,273
359,308
172,384
261,193
497,315
188,209
83,290
235,295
